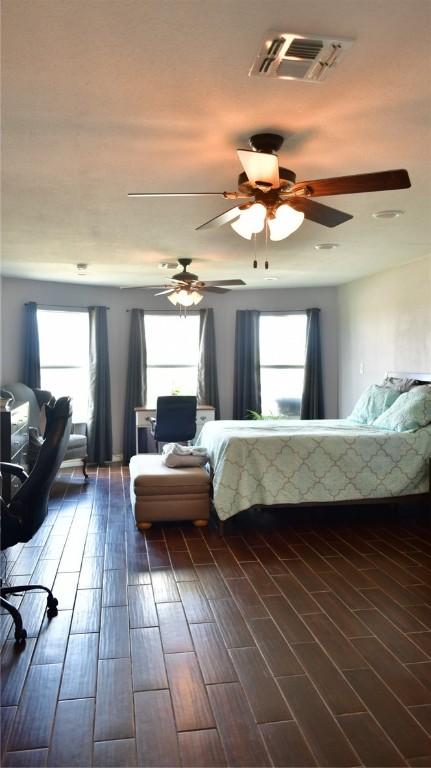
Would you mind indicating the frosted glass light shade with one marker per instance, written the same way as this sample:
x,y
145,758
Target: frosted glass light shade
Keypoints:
x,y
251,221
285,222
173,298
197,297
185,298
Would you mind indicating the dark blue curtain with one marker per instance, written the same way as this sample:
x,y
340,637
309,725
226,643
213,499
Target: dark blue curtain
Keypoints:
x,y
31,362
136,384
207,367
246,393
100,418
312,396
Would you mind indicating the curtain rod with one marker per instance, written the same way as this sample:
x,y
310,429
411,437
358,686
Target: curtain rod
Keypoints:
x,y
163,311
61,306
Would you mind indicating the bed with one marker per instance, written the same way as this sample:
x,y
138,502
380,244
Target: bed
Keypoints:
x,y
267,463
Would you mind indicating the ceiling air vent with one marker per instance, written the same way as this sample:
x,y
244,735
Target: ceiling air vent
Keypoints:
x,y
290,56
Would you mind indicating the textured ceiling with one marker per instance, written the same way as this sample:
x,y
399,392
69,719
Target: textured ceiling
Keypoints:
x,y
105,97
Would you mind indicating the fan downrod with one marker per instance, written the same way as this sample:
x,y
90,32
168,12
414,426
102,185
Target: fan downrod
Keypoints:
x,y
266,142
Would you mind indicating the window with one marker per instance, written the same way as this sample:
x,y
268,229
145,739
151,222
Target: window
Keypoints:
x,y
172,355
64,356
282,357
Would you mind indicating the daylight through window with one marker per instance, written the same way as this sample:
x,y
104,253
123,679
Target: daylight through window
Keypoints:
x,y
282,358
172,355
64,356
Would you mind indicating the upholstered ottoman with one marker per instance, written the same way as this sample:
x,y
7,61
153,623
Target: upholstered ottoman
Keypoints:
x,y
159,493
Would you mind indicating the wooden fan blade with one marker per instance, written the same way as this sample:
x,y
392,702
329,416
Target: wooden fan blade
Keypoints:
x,y
141,287
260,166
168,290
223,282
173,194
321,214
222,218
214,289
362,182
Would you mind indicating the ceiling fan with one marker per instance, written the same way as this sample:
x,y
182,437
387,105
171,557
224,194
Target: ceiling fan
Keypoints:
x,y
186,288
275,199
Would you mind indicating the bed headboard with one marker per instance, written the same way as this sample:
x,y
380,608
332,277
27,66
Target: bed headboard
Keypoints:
x,y
409,375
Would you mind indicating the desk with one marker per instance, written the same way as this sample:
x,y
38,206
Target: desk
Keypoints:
x,y
143,416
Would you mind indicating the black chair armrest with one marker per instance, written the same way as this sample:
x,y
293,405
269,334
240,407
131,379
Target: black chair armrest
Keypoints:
x,y
42,396
13,469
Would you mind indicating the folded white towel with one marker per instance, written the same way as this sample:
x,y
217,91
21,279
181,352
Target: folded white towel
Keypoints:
x,y
177,455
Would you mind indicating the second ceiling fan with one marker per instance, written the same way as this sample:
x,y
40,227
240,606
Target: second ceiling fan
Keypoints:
x,y
275,199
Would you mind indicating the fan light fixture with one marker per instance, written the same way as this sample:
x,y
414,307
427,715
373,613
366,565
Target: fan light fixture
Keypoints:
x,y
185,297
281,224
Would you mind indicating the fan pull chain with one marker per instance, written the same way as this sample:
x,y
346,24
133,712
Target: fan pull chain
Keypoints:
x,y
266,244
254,246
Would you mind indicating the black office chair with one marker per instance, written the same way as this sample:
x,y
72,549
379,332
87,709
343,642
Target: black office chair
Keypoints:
x,y
26,511
175,420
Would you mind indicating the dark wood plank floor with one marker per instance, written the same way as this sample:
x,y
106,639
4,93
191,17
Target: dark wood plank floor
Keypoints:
x,y
292,641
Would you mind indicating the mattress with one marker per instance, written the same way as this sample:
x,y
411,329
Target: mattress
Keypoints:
x,y
265,463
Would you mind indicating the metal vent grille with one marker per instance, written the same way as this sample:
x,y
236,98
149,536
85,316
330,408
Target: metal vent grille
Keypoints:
x,y
290,56
302,48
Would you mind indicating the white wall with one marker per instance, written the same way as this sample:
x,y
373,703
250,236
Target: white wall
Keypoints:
x,y
384,325
16,292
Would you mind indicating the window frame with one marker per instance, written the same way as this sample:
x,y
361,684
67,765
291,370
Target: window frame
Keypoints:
x,y
68,310
288,367
171,366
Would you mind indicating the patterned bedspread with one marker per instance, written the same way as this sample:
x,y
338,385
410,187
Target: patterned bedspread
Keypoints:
x,y
289,462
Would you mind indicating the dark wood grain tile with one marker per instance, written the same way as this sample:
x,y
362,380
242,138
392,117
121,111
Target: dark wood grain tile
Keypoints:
x,y
286,745
86,613
142,608
298,597
423,640
114,632
345,591
189,696
369,741
194,602
240,549
231,624
261,581
31,758
114,590
199,551
174,629
156,746
396,641
396,676
91,574
114,683
247,599
164,585
52,641
64,589
214,586
227,564
261,690
338,648
72,717
402,576
14,668
287,620
138,569
182,565
120,753
330,683
402,619
148,666
327,742
279,545
274,648
346,621
241,739
201,748
423,672
214,661
306,576
423,716
395,719
7,716
272,564
29,731
174,538
80,667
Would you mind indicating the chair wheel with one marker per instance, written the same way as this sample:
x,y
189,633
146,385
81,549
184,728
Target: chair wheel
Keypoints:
x,y
51,612
52,603
20,635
